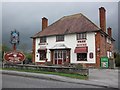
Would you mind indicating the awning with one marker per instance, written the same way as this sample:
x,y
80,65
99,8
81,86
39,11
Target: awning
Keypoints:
x,y
42,49
81,50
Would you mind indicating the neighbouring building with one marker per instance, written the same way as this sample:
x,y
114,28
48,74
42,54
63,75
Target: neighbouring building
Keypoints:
x,y
73,39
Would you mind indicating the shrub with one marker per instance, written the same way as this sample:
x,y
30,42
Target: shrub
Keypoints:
x,y
66,64
78,65
117,59
48,63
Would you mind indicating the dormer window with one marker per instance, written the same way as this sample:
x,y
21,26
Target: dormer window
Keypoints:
x,y
60,38
43,40
81,36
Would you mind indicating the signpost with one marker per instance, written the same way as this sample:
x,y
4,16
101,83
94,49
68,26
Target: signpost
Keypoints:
x,y
14,56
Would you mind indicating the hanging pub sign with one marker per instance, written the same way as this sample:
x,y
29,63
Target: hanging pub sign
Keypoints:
x,y
14,37
14,57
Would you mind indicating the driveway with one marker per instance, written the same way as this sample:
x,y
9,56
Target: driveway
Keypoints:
x,y
106,76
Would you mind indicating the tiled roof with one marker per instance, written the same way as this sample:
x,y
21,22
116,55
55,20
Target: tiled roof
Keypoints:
x,y
69,24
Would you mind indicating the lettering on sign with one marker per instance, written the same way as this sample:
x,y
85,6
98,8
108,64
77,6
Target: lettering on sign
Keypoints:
x,y
81,43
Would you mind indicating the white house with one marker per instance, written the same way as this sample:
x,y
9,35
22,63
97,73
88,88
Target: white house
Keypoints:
x,y
73,39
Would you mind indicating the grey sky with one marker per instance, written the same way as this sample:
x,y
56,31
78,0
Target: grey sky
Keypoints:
x,y
0,22
26,17
119,26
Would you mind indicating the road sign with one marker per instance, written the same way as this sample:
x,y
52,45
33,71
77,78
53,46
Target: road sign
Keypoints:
x,y
14,57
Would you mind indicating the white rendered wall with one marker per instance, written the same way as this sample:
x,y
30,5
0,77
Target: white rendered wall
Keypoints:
x,y
71,42
91,47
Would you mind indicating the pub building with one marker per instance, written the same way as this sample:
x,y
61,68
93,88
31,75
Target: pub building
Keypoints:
x,y
73,39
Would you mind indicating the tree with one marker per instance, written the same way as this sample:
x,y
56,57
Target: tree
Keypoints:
x,y
5,48
28,58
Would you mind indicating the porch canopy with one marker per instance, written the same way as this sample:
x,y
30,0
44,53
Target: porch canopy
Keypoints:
x,y
59,46
81,50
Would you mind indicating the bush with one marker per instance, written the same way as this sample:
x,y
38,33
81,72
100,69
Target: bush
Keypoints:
x,y
77,65
48,63
66,64
117,59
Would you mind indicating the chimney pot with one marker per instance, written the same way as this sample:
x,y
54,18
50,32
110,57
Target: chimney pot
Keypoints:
x,y
109,31
44,23
102,13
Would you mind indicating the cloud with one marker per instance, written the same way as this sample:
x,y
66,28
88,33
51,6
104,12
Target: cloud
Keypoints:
x,y
26,16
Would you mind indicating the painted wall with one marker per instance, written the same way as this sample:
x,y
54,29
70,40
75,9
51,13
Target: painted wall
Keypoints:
x,y
71,42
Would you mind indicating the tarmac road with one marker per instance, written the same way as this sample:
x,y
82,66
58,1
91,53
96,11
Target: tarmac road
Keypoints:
x,y
11,81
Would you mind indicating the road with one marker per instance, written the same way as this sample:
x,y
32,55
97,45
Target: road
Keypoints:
x,y
9,81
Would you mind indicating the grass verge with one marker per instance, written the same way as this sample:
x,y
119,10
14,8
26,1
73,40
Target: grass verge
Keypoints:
x,y
77,76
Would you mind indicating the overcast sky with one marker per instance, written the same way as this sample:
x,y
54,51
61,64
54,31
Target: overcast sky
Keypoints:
x,y
26,17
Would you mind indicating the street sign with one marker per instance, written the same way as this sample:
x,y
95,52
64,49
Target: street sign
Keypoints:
x,y
14,57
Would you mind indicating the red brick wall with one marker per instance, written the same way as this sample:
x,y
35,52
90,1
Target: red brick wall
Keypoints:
x,y
101,42
103,45
44,23
33,50
97,45
102,14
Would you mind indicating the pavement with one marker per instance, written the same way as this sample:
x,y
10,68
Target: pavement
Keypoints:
x,y
95,78
106,76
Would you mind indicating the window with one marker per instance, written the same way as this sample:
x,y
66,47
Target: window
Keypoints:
x,y
108,41
60,54
81,56
43,40
42,54
60,38
81,36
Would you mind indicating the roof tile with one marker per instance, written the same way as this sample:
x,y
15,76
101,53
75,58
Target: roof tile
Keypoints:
x,y
69,24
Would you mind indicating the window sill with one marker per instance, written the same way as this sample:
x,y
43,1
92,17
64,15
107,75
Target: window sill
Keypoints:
x,y
43,43
81,39
59,41
82,60
42,60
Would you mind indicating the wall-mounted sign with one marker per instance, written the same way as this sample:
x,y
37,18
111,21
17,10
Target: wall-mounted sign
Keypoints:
x,y
81,43
14,57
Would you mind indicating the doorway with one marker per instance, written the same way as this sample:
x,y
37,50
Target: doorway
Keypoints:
x,y
60,56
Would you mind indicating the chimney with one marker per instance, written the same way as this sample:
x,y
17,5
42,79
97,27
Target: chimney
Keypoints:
x,y
109,31
44,23
102,13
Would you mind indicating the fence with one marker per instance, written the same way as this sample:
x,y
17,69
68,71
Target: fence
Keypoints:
x,y
49,68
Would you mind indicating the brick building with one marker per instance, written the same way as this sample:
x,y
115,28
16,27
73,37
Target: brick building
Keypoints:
x,y
73,39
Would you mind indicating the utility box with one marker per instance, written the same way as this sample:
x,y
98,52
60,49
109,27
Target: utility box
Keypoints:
x,y
111,63
104,62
